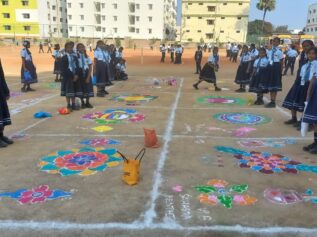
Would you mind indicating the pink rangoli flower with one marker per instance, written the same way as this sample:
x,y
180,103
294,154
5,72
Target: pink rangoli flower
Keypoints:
x,y
36,195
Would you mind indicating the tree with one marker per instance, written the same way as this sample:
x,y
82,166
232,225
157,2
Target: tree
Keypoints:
x,y
254,28
281,29
265,6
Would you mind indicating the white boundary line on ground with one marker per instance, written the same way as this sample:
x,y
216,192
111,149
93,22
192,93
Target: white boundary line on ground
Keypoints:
x,y
48,225
150,214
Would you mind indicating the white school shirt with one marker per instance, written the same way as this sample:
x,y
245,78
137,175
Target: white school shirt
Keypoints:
x,y
102,55
84,61
213,59
235,49
25,55
163,49
246,57
313,71
57,54
228,46
121,67
292,53
254,53
275,55
71,62
261,63
119,54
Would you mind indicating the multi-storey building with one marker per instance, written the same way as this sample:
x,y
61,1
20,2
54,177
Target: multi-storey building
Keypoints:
x,y
311,25
215,20
19,18
138,19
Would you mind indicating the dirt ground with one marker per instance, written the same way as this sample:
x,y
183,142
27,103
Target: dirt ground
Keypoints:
x,y
165,202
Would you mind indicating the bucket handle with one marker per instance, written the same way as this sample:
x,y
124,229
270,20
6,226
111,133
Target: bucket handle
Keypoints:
x,y
140,155
123,156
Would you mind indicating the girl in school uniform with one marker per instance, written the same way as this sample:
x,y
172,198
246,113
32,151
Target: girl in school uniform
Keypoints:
x,y
244,69
259,76
5,119
310,114
294,101
28,70
71,86
208,72
121,71
101,59
57,55
274,82
85,70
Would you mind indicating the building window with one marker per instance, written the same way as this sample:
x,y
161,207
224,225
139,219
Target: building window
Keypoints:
x,y
70,28
190,4
187,30
238,31
137,31
69,5
225,4
199,31
307,29
314,10
27,28
5,3
222,18
115,6
7,27
82,17
137,18
82,29
313,20
25,3
315,28
6,15
137,6
210,22
54,18
70,17
115,18
211,8
103,29
188,17
150,6
55,30
115,30
150,19
103,5
61,30
200,4
60,9
240,3
26,16
103,18
81,5
308,21
311,29
239,18
200,17
150,31
60,19
222,31
54,7
209,36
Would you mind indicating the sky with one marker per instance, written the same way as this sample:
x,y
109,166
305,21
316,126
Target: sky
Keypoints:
x,y
288,12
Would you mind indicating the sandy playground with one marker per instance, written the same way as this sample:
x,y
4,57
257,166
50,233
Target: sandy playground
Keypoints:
x,y
217,156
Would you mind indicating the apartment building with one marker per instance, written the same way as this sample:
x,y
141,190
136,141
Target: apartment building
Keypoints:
x,y
215,21
19,18
138,19
311,25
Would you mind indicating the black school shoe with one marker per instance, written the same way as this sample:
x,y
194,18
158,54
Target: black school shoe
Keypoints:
x,y
30,89
196,86
240,90
7,140
313,150
309,147
89,106
270,105
291,121
3,144
217,89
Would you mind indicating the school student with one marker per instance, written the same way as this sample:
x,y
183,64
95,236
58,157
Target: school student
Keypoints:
x,y
112,65
119,54
208,72
310,114
163,51
71,86
85,70
198,58
244,69
28,70
274,82
121,70
291,59
259,76
49,49
57,55
254,53
5,119
235,51
178,53
41,49
228,47
172,52
294,101
101,59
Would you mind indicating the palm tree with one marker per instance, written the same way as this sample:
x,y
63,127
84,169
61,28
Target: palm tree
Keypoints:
x,y
265,6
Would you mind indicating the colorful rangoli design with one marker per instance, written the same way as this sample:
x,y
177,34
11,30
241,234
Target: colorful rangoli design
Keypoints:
x,y
288,196
133,99
266,143
242,118
220,192
115,116
266,163
221,100
36,195
99,142
84,162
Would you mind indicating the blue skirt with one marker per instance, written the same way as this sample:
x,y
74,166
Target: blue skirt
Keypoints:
x,y
208,74
258,81
243,77
274,82
102,73
310,115
296,97
5,119
31,68
87,88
